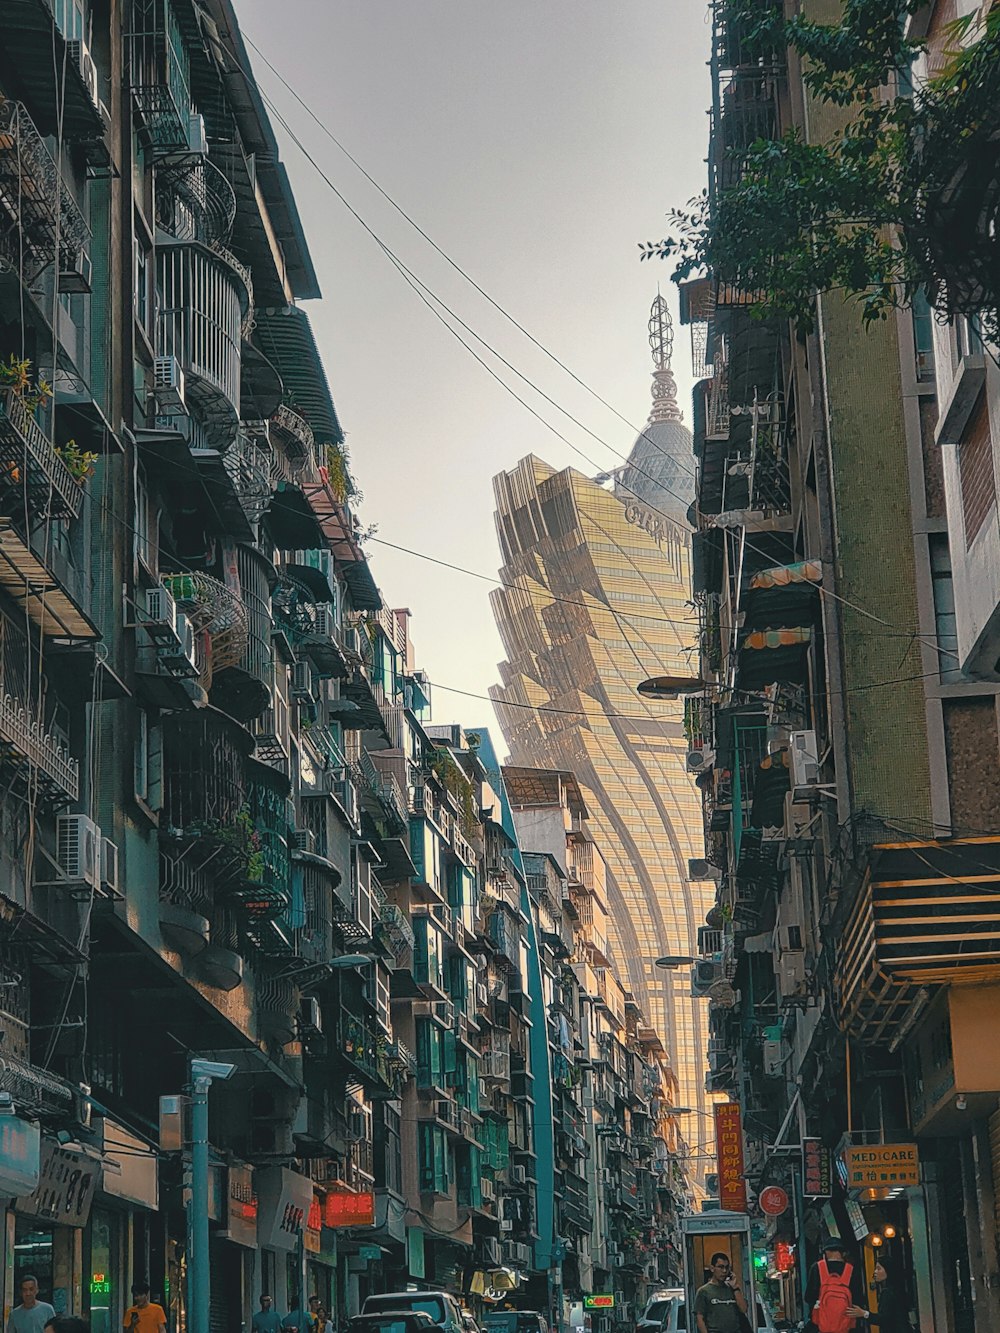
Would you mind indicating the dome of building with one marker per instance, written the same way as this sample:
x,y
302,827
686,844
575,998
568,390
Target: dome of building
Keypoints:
x,y
660,469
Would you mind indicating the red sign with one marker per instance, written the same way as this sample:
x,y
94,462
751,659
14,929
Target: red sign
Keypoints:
x,y
729,1143
784,1256
773,1201
350,1210
817,1172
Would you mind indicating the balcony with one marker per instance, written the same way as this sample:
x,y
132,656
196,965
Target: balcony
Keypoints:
x,y
918,914
294,446
205,299
41,588
194,200
159,76
394,931
30,752
368,1052
35,199
205,790
31,471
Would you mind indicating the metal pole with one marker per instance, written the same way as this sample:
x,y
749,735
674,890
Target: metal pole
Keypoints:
x,y
198,1296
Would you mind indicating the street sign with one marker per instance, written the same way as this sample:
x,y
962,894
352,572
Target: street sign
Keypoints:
x,y
773,1201
729,1145
605,1302
881,1165
817,1172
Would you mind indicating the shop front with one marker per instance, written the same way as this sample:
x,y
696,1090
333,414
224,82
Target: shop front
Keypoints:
x,y
121,1241
284,1200
20,1171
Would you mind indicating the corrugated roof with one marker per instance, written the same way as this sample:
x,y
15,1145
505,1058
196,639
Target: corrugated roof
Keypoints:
x,y
286,338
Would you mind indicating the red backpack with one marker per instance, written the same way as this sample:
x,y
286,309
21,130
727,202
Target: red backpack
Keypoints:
x,y
835,1299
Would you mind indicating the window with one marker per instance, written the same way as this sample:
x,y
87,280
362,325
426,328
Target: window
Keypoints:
x,y
142,279
432,1155
145,524
427,962
975,465
70,19
430,1061
148,761
945,626
923,336
389,1161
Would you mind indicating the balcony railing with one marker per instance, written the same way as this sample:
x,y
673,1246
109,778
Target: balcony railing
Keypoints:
x,y
194,200
294,443
369,1052
31,472
204,787
159,75
34,197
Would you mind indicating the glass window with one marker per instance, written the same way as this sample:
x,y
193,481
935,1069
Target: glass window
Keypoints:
x,y
923,335
945,624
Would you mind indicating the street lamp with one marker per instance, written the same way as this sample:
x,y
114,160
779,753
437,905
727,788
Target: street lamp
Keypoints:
x,y
675,960
347,960
203,1074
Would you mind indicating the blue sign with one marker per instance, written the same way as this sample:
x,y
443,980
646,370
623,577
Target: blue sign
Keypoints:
x,y
20,1156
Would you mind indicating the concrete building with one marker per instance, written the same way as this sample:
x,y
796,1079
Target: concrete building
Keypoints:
x,y
595,600
850,801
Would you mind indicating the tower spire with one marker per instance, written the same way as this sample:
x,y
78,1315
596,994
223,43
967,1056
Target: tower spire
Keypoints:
x,y
661,342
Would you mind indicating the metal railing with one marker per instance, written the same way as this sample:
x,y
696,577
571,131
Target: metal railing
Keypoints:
x,y
27,735
34,196
30,467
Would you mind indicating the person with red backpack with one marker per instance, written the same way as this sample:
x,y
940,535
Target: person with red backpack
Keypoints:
x,y
835,1293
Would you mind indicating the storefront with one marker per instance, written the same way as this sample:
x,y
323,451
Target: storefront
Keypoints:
x,y
20,1169
284,1200
122,1242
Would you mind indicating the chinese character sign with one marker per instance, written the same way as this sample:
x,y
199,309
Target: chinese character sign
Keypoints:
x,y
729,1143
882,1165
817,1174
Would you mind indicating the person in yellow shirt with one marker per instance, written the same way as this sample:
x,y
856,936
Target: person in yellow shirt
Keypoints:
x,y
144,1315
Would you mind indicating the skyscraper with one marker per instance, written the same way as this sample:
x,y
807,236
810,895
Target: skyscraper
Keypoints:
x,y
597,600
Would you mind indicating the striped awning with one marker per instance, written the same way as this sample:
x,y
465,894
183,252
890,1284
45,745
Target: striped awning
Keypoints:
x,y
778,638
37,591
781,576
286,338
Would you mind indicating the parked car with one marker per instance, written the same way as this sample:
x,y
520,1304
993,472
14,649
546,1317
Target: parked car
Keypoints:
x,y
469,1323
393,1321
657,1309
675,1318
441,1306
515,1321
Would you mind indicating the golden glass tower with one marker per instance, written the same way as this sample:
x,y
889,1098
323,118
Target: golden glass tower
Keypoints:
x,y
598,600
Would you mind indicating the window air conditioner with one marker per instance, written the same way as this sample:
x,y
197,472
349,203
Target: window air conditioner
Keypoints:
x,y
161,616
197,140
518,1175
700,868
303,840
76,273
180,659
78,843
698,761
804,755
506,1225
168,383
303,683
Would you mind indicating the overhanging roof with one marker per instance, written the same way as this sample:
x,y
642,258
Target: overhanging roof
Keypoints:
x,y
37,591
286,338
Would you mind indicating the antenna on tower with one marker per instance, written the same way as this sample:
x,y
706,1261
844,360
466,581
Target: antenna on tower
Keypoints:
x,y
661,342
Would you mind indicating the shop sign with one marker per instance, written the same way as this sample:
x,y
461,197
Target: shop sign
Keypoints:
x,y
314,1227
20,1156
602,1302
370,1253
729,1144
283,1202
241,1224
66,1185
856,1218
817,1171
130,1167
882,1165
350,1210
773,1201
784,1256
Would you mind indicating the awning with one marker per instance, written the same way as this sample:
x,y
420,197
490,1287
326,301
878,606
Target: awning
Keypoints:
x,y
781,576
364,593
37,591
286,338
291,521
785,595
312,580
771,655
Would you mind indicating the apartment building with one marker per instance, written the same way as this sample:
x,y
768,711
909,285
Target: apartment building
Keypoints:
x,y
843,745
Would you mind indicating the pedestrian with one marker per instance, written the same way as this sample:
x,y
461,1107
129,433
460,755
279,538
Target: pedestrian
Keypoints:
x,y
144,1315
267,1319
313,1313
324,1324
719,1304
893,1312
31,1315
296,1320
835,1292
66,1323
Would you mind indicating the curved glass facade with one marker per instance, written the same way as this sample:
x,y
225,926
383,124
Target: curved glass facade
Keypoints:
x,y
623,568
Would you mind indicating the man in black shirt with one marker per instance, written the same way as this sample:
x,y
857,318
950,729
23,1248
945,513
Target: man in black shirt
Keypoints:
x,y
835,1254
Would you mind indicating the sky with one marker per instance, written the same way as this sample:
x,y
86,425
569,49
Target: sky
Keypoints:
x,y
538,142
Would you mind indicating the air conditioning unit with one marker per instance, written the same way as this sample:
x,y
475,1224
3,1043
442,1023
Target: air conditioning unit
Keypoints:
x,y
76,273
325,620
197,140
168,383
78,848
791,973
698,761
487,1191
518,1175
506,1225
161,616
303,682
311,1016
303,840
706,973
774,1055
109,866
804,754
619,1261
79,53
491,1249
180,659
346,793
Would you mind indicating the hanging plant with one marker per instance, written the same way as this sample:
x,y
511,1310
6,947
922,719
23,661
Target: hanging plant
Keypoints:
x,y
15,374
338,467
80,462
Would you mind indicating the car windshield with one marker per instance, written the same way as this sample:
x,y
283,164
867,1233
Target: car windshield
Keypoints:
x,y
657,1310
387,1325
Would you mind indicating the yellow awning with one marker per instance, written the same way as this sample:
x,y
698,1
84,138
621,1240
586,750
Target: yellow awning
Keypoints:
x,y
780,576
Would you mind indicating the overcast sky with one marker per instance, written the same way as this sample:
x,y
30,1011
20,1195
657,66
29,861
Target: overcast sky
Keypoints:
x,y
537,142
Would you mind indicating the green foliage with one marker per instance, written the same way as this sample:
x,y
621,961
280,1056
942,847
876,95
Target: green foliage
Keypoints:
x,y
338,466
80,462
15,374
454,781
867,212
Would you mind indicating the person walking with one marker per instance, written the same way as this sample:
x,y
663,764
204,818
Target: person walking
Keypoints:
x,y
893,1312
144,1315
835,1292
719,1304
31,1315
267,1319
296,1320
